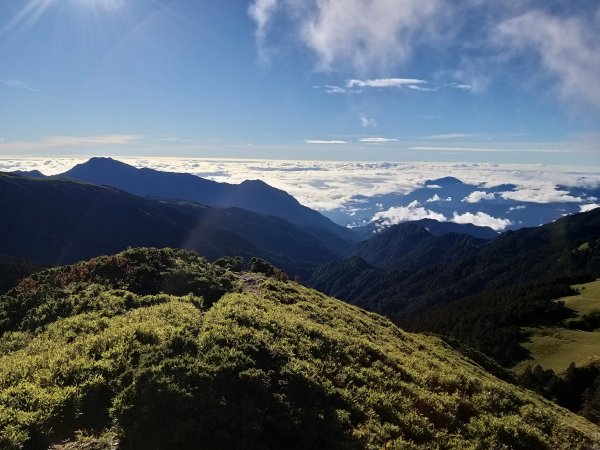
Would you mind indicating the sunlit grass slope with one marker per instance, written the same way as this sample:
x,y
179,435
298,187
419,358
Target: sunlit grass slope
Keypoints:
x,y
170,352
588,300
557,347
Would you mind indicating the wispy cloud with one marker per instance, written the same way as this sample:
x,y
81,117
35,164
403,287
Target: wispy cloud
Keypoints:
x,y
176,140
373,38
319,141
462,86
358,86
261,11
377,140
69,142
533,149
416,87
567,46
367,122
385,83
108,139
362,35
18,84
451,136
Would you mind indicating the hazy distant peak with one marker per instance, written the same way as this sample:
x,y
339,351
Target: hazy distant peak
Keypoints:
x,y
28,173
445,181
104,161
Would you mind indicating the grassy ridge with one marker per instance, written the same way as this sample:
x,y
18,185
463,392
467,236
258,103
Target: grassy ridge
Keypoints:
x,y
588,300
558,346
168,351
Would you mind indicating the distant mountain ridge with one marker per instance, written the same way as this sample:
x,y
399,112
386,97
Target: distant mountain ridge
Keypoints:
x,y
478,293
55,221
420,244
253,195
504,206
434,227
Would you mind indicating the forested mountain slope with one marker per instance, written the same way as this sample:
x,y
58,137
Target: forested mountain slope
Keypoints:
x,y
13,269
415,245
485,296
58,221
253,195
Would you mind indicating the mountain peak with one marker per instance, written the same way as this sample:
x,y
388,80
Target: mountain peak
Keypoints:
x,y
445,181
104,161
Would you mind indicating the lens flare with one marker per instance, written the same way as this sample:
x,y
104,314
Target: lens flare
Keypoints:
x,y
34,10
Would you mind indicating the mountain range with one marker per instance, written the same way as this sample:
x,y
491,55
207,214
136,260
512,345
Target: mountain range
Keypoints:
x,y
505,208
475,287
252,195
57,221
479,291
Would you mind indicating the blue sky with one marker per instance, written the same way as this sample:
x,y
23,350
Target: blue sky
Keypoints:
x,y
404,80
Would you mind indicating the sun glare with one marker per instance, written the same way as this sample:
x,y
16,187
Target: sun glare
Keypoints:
x,y
99,5
34,10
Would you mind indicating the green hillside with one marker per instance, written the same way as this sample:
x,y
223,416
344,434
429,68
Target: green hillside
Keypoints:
x,y
12,270
556,347
157,349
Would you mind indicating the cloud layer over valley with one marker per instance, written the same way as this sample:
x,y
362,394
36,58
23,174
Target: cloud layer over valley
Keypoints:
x,y
358,193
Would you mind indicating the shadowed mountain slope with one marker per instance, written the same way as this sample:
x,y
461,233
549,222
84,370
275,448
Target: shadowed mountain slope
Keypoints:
x,y
416,245
253,195
58,221
486,294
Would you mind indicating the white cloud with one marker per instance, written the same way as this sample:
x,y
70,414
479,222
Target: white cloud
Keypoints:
x,y
494,150
377,140
588,207
18,84
437,198
547,194
385,83
329,185
261,11
414,211
367,122
375,37
481,220
416,87
516,208
366,36
335,89
477,196
318,141
568,47
463,86
451,136
108,139
53,143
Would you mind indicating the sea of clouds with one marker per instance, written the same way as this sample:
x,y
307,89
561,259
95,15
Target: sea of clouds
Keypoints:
x,y
330,185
